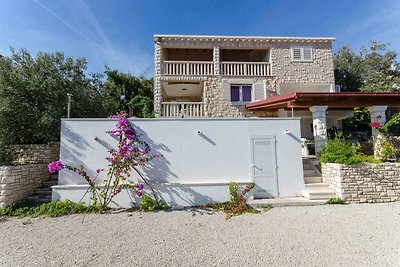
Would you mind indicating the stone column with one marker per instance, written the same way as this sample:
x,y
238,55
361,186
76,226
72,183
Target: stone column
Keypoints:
x,y
378,114
216,60
157,79
319,127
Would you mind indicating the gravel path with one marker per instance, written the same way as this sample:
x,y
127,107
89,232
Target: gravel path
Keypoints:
x,y
351,235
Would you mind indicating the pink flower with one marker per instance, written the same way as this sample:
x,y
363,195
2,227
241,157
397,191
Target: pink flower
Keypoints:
x,y
55,166
140,186
139,193
98,171
375,124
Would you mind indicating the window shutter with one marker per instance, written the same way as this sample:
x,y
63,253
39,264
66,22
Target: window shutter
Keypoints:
x,y
226,91
296,53
259,91
307,52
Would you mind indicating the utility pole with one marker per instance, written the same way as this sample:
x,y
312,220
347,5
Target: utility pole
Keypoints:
x,y
69,105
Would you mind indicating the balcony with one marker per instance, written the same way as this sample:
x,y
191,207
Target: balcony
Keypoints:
x,y
192,68
182,109
245,68
202,68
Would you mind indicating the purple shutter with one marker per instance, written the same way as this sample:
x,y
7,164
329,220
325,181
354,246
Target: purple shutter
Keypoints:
x,y
246,93
235,97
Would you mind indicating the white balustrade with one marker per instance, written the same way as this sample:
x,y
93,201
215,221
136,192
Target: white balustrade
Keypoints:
x,y
245,68
188,68
182,109
226,68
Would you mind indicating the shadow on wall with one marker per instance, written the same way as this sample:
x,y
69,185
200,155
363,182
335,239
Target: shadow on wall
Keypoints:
x,y
71,156
158,171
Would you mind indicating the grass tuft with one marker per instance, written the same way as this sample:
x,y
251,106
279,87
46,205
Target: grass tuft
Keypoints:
x,y
51,209
335,201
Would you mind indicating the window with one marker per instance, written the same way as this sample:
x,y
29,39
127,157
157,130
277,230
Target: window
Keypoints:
x,y
302,53
241,93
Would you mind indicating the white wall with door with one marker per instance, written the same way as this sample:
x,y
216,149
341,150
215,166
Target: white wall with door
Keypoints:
x,y
200,156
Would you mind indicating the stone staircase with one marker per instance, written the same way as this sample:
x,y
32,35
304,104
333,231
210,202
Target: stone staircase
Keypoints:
x,y
314,188
43,193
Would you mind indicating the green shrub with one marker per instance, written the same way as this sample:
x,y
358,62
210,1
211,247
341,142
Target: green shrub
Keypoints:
x,y
335,200
388,150
149,204
51,209
338,151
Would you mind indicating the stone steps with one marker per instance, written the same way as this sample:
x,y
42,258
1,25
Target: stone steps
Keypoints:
x,y
314,188
43,193
312,179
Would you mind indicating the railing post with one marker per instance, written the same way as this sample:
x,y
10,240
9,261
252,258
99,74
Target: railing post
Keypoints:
x,y
216,59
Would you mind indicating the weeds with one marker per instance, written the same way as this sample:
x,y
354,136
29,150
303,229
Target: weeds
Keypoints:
x,y
51,209
335,200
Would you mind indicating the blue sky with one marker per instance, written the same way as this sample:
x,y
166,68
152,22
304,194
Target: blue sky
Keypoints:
x,y
119,33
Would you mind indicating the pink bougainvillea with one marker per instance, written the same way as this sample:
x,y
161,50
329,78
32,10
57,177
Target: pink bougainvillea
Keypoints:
x,y
129,154
375,124
55,166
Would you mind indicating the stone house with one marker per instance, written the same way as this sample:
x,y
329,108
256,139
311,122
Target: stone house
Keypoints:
x,y
253,76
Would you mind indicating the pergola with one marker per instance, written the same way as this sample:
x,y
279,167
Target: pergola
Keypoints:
x,y
318,103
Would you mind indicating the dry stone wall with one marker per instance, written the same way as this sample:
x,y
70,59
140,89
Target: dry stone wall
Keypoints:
x,y
20,181
369,183
37,153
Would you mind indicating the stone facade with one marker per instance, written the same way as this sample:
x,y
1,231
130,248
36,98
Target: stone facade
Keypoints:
x,y
369,183
216,106
320,70
18,182
284,70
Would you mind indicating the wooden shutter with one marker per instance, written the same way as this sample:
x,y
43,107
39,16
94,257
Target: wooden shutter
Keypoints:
x,y
296,54
226,91
259,91
307,54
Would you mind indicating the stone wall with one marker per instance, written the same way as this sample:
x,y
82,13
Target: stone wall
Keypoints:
x,y
37,153
18,182
369,183
29,172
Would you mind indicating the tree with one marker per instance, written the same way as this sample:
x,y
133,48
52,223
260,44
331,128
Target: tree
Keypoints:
x,y
374,69
348,69
123,91
33,95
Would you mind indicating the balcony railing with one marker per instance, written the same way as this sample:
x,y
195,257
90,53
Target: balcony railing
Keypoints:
x,y
199,68
246,68
188,68
182,109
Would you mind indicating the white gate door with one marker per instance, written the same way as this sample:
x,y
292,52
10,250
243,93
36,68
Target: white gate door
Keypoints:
x,y
264,167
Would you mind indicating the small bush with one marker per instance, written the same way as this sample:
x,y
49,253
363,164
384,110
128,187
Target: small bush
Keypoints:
x,y
389,152
335,200
51,209
338,151
149,204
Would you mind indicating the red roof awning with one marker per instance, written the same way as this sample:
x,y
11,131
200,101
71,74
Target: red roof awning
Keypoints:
x,y
332,100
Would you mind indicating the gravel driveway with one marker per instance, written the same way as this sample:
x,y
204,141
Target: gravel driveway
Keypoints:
x,y
351,235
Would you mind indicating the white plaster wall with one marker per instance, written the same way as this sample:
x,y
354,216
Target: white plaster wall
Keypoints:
x,y
190,161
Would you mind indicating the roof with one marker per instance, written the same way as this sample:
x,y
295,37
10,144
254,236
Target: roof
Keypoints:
x,y
222,38
332,100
